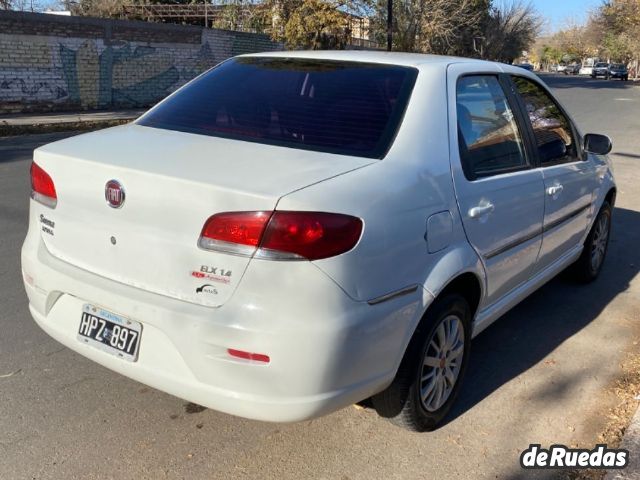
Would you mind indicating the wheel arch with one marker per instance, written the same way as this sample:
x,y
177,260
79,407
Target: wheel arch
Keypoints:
x,y
468,284
610,197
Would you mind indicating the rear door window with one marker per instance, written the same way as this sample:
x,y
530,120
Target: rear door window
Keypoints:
x,y
551,128
488,135
349,108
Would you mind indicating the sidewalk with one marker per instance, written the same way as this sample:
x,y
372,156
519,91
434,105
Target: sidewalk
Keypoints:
x,y
20,124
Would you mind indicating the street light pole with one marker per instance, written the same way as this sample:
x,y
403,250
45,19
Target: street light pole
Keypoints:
x,y
389,24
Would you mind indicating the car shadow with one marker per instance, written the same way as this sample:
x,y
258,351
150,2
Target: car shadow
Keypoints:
x,y
624,154
556,312
581,81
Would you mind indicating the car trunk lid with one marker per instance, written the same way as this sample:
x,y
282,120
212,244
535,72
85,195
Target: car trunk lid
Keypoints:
x,y
172,183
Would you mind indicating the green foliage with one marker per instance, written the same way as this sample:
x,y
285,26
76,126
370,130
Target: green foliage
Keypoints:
x,y
618,47
612,33
551,54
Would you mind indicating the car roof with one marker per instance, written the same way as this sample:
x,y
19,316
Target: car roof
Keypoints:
x,y
416,60
371,56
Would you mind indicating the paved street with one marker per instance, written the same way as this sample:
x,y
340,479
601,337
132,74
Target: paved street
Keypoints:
x,y
542,374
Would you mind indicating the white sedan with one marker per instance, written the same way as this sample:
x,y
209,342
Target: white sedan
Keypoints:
x,y
293,232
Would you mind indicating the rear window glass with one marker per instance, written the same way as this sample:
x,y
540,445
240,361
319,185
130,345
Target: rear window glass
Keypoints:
x,y
349,108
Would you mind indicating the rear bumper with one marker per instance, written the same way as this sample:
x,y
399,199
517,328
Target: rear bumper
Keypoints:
x,y
327,351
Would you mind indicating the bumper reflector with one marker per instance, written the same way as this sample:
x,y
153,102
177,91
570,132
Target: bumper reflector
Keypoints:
x,y
256,357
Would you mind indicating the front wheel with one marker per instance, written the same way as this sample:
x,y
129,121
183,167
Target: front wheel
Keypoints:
x,y
428,380
588,266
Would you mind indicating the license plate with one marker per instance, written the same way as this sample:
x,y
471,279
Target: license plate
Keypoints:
x,y
110,332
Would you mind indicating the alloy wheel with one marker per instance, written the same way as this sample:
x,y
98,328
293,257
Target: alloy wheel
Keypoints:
x,y
599,242
442,363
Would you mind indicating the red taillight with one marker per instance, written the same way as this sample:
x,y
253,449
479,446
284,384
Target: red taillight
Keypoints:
x,y
234,232
311,235
42,188
256,357
282,235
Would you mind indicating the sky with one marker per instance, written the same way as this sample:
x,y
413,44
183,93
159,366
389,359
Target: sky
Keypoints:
x,y
559,12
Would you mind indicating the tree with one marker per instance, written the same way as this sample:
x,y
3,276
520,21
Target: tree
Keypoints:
x,y
312,24
512,28
96,8
547,54
22,5
620,22
448,27
433,26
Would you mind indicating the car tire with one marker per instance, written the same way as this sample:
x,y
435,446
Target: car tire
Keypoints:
x,y
422,392
587,268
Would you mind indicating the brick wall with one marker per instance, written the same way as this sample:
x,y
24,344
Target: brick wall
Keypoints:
x,y
57,63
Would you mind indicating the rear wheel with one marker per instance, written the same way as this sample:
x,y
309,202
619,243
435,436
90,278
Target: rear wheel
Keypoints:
x,y
588,266
430,374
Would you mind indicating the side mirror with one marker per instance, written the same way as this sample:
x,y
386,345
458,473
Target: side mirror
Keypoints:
x,y
598,144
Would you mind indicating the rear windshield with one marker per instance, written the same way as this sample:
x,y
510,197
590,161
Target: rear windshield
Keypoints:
x,y
600,65
617,65
349,108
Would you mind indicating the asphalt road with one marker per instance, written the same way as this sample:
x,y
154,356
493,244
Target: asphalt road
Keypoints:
x,y
542,374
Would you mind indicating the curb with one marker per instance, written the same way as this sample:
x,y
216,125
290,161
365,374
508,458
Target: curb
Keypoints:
x,y
630,442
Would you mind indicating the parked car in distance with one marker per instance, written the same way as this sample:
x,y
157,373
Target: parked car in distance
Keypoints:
x,y
586,70
600,70
573,69
526,66
293,232
618,70
561,67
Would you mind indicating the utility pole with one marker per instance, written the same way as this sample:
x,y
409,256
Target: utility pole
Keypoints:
x,y
389,24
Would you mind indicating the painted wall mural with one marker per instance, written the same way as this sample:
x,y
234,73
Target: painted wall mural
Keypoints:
x,y
41,73
127,75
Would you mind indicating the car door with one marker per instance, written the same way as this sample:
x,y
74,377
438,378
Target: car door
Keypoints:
x,y
569,176
500,193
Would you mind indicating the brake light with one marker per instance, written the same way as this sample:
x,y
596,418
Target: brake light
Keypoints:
x,y
234,232
281,235
310,235
42,188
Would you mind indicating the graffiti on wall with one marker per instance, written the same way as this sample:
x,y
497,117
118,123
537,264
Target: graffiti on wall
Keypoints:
x,y
90,74
48,71
38,90
127,75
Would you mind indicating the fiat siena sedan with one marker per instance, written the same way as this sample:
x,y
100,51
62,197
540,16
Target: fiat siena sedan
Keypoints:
x,y
291,233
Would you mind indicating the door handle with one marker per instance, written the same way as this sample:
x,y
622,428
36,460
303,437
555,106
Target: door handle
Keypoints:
x,y
480,210
555,190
